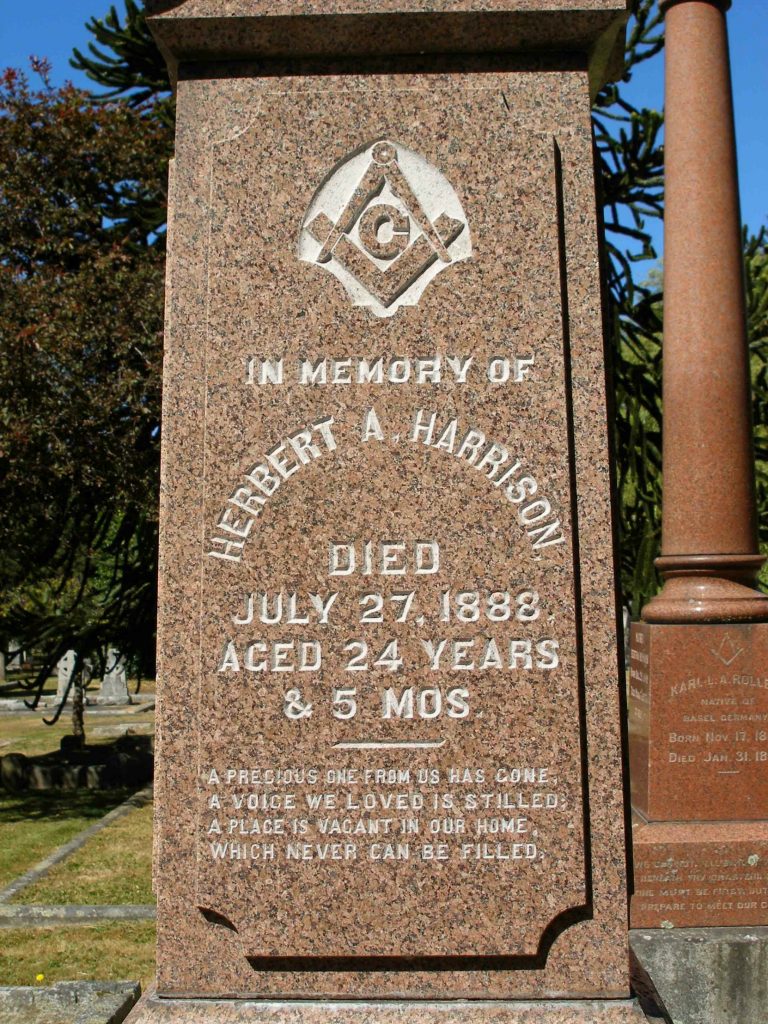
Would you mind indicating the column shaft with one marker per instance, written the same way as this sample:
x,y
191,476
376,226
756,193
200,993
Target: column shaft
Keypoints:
x,y
709,535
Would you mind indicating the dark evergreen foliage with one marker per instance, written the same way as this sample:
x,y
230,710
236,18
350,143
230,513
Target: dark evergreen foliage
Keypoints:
x,y
81,284
123,59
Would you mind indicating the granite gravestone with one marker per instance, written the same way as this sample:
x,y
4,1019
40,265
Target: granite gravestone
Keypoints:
x,y
699,661
64,669
699,760
114,685
389,742
15,659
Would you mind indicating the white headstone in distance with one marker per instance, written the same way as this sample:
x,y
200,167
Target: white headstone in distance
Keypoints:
x,y
64,671
15,654
114,685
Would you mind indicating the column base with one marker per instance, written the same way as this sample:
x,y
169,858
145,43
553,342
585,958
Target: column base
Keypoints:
x,y
154,1010
694,874
708,588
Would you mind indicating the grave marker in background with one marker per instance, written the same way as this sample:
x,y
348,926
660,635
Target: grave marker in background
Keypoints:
x,y
64,667
114,685
699,661
389,758
16,658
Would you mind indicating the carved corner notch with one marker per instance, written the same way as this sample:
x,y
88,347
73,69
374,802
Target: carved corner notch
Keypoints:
x,y
385,223
215,918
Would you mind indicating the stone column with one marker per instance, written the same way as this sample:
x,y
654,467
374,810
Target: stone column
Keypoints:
x,y
710,556
698,688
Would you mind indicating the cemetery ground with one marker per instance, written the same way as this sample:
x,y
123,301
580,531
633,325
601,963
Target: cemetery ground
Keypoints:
x,y
88,913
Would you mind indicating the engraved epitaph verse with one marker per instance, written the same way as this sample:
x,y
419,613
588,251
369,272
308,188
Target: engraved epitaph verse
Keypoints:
x,y
390,683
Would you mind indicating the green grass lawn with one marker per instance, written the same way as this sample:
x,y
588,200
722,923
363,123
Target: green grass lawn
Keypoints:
x,y
12,688
25,733
33,824
114,951
114,866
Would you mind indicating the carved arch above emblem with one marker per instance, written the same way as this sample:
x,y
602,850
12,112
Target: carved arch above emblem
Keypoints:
x,y
385,222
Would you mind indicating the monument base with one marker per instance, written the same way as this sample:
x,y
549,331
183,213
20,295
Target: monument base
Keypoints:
x,y
694,874
698,721
154,1010
707,975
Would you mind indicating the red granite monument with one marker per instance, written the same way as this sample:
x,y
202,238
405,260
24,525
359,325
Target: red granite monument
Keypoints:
x,y
389,746
699,659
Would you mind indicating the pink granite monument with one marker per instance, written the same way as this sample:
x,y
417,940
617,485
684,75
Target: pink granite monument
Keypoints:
x,y
699,660
389,754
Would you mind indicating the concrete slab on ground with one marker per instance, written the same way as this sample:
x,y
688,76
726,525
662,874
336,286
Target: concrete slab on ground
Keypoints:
x,y
707,975
69,1002
38,915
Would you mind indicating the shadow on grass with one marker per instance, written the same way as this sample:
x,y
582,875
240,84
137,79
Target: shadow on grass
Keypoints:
x,y
53,805
24,689
125,763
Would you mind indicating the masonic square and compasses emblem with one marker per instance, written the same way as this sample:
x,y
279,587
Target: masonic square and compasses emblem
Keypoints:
x,y
385,223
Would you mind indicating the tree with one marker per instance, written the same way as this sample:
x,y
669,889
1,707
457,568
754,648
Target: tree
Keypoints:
x,y
81,271
631,160
756,278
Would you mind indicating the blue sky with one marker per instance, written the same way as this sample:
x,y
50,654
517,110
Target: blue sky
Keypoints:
x,y
748,39
51,28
